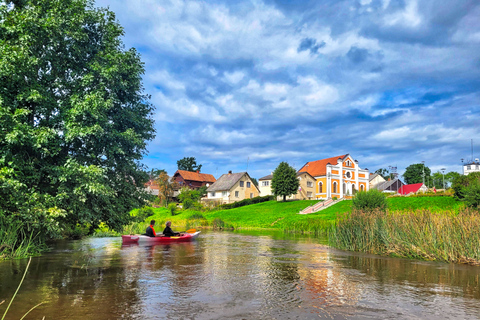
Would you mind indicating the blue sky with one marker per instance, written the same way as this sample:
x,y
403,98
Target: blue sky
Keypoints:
x,y
239,83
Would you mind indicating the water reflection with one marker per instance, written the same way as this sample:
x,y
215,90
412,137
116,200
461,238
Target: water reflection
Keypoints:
x,y
226,275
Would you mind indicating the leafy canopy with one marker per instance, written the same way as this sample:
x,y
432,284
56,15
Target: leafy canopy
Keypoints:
x,y
285,181
188,164
414,173
74,120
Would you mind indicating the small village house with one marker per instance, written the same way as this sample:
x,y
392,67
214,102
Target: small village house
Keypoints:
x,y
412,189
375,179
193,180
232,187
305,191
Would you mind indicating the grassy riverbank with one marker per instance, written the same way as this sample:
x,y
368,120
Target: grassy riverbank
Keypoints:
x,y
428,228
421,234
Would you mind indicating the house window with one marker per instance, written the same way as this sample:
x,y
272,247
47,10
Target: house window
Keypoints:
x,y
224,193
309,184
348,163
468,167
348,174
335,187
212,194
344,188
361,187
241,183
236,194
251,195
320,187
265,183
309,194
248,184
476,167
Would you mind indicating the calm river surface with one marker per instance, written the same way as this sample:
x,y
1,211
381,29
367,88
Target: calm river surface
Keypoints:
x,y
226,275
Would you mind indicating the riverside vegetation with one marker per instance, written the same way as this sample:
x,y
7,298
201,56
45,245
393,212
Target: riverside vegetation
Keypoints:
x,y
429,227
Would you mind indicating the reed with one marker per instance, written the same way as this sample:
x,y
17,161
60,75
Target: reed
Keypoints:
x,y
16,242
419,234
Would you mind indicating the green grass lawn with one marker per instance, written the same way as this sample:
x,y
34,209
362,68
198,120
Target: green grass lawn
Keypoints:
x,y
284,215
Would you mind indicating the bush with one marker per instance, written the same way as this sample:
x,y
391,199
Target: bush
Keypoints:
x,y
472,196
370,200
246,202
172,207
139,215
218,223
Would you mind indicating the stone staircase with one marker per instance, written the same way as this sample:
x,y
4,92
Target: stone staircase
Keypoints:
x,y
320,206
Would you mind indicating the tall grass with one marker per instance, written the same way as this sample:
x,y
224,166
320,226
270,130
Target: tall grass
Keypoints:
x,y
16,242
420,234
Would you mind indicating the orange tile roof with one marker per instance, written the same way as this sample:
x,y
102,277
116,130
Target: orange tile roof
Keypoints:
x,y
194,176
319,167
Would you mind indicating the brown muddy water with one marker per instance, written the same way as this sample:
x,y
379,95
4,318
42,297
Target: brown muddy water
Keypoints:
x,y
226,275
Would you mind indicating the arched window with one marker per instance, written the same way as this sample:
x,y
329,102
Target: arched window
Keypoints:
x,y
334,187
353,188
344,188
361,187
320,187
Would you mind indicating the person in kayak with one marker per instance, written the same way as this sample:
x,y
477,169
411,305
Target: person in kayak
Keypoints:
x,y
168,232
150,230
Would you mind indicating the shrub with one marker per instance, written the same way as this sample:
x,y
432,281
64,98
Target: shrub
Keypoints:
x,y
218,223
472,196
172,207
139,215
246,202
370,200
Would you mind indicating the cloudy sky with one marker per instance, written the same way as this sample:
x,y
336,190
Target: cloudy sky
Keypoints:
x,y
253,83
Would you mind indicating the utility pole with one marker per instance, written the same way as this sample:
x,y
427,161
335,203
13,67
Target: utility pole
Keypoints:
x,y
443,176
423,172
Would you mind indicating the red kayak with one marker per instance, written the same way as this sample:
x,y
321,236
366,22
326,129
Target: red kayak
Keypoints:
x,y
184,237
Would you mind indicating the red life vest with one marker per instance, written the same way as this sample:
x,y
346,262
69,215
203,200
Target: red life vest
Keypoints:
x,y
154,233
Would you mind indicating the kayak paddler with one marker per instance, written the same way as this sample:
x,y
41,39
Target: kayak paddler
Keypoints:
x,y
168,232
150,230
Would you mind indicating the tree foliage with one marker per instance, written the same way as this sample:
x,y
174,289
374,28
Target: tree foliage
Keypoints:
x,y
188,164
165,187
414,173
467,188
285,181
74,120
385,173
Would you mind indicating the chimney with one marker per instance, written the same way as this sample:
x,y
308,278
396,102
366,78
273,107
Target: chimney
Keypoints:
x,y
389,179
198,171
230,172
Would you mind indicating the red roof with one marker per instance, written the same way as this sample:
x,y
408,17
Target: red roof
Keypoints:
x,y
409,188
319,167
195,176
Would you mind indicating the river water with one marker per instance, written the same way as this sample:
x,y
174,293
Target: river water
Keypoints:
x,y
226,275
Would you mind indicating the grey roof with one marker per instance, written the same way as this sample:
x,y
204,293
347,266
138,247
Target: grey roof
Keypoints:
x,y
269,177
226,182
373,176
393,185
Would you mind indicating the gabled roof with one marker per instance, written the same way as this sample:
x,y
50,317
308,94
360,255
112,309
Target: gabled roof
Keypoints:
x,y
319,167
227,181
195,176
374,175
385,185
409,188
269,177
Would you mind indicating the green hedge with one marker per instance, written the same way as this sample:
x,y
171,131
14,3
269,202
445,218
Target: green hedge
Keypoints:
x,y
246,202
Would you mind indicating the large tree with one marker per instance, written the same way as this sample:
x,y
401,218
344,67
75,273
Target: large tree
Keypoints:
x,y
74,119
414,173
188,164
285,181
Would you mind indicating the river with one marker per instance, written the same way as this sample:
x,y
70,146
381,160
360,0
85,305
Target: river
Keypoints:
x,y
229,275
